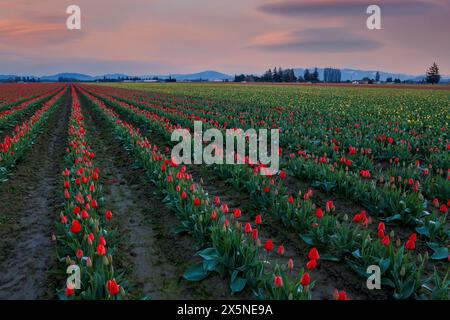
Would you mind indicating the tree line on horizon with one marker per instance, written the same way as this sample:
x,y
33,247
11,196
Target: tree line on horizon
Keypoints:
x,y
288,75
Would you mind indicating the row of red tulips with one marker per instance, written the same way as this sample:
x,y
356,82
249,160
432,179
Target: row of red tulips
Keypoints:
x,y
84,237
14,94
384,203
270,193
361,141
234,247
12,148
8,114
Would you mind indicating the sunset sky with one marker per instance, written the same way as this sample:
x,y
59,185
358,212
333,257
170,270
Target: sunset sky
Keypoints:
x,y
143,37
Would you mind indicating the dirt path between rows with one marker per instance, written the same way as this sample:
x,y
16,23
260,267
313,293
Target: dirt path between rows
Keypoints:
x,y
30,201
152,256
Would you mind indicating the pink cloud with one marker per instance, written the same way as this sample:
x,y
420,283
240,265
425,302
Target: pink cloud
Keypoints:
x,y
22,33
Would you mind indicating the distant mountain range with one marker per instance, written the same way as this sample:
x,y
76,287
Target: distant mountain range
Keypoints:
x,y
210,75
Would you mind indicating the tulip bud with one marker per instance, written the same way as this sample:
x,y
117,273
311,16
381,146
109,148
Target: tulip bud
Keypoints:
x,y
392,234
420,257
345,217
105,261
402,271
110,259
89,262
290,264
68,260
53,237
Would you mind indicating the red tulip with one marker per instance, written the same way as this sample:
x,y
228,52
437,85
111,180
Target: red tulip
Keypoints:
x,y
76,227
108,215
281,250
113,287
306,280
436,202
76,210
196,202
183,195
66,194
91,238
63,219
258,220
319,213
282,175
313,254
225,208
385,241
84,214
69,291
237,213
410,244
311,265
291,199
255,234
342,296
266,189
443,209
79,254
330,206
217,201
248,228
268,246
214,215
101,250
278,282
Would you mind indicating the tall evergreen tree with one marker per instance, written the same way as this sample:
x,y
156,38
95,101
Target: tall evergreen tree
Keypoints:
x,y
315,76
307,75
433,75
377,77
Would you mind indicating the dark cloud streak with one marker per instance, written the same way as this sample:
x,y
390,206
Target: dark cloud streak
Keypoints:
x,y
345,7
323,40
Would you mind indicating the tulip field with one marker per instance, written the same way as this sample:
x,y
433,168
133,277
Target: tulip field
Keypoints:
x,y
89,191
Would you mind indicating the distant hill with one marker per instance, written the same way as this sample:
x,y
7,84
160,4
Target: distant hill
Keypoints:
x,y
6,76
76,76
204,75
